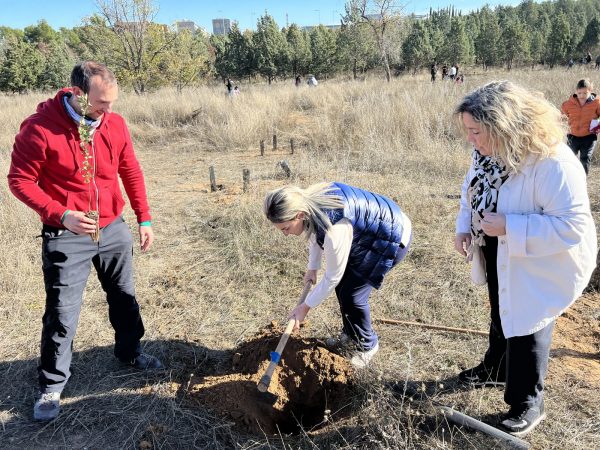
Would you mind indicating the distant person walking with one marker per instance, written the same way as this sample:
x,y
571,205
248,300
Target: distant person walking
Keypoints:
x,y
570,64
312,81
581,109
66,161
229,86
444,72
433,72
453,72
298,81
597,66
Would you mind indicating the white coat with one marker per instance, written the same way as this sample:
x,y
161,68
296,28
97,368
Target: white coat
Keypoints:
x,y
547,256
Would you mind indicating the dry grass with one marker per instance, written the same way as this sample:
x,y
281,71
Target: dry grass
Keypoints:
x,y
218,272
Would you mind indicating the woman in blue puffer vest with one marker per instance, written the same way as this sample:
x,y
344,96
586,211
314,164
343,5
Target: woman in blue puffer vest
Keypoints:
x,y
362,235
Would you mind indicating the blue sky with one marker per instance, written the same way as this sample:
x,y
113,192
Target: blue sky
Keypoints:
x,y
70,13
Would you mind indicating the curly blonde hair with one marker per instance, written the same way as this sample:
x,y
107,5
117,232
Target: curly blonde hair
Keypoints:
x,y
519,122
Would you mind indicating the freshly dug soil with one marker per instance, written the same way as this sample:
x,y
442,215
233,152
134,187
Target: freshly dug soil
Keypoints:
x,y
576,345
310,387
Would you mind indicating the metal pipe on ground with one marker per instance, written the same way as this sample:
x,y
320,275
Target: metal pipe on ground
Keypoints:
x,y
507,440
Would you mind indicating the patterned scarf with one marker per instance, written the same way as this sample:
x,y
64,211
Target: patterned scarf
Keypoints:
x,y
490,173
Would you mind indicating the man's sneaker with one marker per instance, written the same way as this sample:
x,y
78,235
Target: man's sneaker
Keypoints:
x,y
520,421
480,376
338,341
144,361
360,360
47,406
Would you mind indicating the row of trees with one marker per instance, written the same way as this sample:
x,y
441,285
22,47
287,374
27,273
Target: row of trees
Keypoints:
x,y
372,33
550,33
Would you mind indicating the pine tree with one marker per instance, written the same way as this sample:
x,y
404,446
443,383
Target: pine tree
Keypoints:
x,y
514,43
591,37
559,41
416,49
21,68
58,63
488,40
270,47
299,49
323,49
457,49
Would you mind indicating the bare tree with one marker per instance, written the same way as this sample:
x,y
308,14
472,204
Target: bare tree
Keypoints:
x,y
131,22
381,15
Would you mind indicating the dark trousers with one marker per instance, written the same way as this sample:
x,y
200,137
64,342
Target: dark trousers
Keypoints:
x,y
67,259
523,360
584,146
353,296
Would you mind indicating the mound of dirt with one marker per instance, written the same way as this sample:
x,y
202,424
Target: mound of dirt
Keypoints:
x,y
310,387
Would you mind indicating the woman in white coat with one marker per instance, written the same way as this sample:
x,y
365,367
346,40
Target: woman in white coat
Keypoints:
x,y
525,222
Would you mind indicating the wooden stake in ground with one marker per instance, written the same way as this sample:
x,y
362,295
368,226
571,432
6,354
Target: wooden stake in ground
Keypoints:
x,y
433,327
262,148
291,146
213,179
274,142
286,168
246,178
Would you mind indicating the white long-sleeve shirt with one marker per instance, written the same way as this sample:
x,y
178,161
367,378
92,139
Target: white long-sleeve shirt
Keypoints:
x,y
546,258
336,249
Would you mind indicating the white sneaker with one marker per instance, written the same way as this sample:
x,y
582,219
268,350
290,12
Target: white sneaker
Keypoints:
x,y
47,406
360,360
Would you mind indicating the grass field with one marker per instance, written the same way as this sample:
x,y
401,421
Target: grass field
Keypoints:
x,y
218,272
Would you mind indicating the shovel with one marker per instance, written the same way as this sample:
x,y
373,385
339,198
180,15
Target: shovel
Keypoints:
x,y
265,380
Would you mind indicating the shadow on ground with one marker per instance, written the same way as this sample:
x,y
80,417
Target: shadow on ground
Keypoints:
x,y
108,405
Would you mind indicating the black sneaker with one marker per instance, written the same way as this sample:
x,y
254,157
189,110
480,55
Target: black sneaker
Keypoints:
x,y
520,421
144,361
480,376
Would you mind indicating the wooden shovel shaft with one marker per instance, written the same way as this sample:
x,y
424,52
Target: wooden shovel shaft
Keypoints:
x,y
433,327
265,380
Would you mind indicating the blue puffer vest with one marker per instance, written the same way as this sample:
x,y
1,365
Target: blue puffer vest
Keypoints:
x,y
377,224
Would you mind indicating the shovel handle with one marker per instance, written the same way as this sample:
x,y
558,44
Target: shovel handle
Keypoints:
x,y
265,380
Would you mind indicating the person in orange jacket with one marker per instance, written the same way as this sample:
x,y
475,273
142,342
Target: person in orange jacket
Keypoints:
x,y
581,109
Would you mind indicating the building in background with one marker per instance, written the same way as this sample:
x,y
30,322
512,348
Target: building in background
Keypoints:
x,y
221,26
186,25
309,28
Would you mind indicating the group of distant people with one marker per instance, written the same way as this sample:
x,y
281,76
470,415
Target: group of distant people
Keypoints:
x,y
231,89
234,90
585,60
451,73
311,81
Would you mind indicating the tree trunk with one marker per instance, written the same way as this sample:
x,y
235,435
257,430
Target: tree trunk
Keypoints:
x,y
386,64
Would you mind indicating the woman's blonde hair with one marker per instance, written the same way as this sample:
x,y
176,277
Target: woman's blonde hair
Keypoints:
x,y
519,122
285,203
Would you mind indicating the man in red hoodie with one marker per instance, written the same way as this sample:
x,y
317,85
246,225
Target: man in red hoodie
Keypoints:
x,y
66,161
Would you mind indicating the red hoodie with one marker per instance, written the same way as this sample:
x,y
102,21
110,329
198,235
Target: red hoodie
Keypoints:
x,y
46,160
